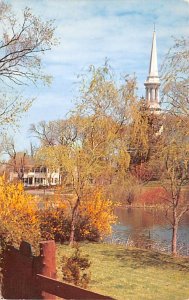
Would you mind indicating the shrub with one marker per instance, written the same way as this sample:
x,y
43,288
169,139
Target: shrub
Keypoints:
x,y
97,214
153,196
54,221
94,218
18,215
147,171
54,224
142,172
75,269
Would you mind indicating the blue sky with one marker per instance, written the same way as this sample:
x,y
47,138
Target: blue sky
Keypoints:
x,y
90,31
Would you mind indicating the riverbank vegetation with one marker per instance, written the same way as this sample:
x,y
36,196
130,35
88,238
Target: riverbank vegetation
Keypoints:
x,y
132,273
22,219
18,216
94,217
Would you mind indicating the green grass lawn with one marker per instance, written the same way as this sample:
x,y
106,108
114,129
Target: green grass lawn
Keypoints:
x,y
127,274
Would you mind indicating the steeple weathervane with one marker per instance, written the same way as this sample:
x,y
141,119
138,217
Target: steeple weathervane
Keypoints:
x,y
152,83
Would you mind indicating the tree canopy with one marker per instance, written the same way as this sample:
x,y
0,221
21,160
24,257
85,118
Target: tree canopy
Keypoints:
x,y
23,42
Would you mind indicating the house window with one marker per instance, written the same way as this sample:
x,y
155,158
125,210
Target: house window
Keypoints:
x,y
37,180
30,180
25,180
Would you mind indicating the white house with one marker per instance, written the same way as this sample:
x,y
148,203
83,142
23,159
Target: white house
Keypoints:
x,y
22,167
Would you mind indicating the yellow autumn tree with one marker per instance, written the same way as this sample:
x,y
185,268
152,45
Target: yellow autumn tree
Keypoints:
x,y
173,158
18,215
92,145
91,158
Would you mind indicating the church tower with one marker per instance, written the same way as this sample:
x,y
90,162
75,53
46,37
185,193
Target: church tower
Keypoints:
x,y
152,83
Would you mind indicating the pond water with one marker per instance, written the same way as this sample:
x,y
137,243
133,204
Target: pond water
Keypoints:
x,y
149,228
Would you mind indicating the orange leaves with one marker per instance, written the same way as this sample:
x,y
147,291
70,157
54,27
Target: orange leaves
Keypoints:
x,y
18,218
54,224
98,210
53,218
94,217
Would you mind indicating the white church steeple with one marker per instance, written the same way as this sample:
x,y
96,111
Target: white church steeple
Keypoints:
x,y
152,83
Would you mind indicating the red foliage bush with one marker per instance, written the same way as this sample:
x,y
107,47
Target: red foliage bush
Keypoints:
x,y
152,195
142,172
145,172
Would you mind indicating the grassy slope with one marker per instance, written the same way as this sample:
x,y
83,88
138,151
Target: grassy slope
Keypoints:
x,y
134,273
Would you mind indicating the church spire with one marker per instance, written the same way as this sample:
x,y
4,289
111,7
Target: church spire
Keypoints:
x,y
152,83
153,69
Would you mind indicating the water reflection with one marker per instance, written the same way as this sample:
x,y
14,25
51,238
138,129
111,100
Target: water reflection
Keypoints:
x,y
149,226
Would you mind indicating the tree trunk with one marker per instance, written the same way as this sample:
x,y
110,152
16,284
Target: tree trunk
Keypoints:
x,y
73,221
174,239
